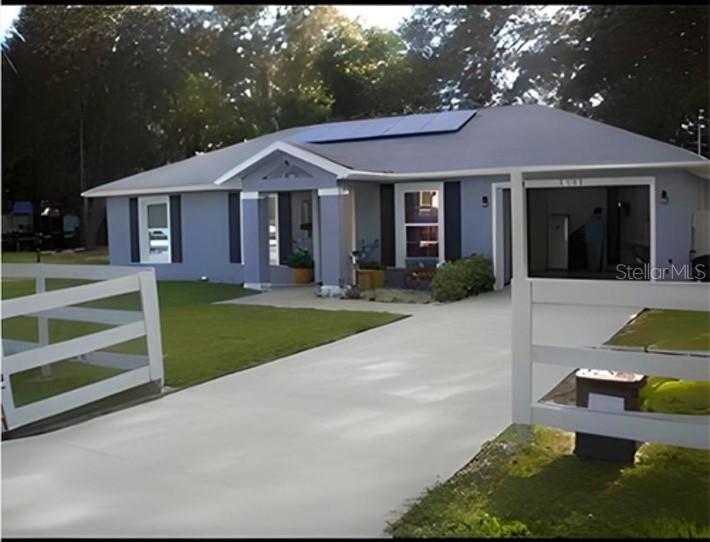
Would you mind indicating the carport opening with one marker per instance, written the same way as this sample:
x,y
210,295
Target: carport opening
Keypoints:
x,y
588,232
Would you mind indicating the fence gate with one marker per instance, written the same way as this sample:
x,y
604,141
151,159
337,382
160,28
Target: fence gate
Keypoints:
x,y
68,304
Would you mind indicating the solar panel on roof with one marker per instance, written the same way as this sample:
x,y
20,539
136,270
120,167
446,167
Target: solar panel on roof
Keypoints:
x,y
409,125
450,120
412,124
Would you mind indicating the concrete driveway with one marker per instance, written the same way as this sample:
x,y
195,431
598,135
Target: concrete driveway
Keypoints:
x,y
333,441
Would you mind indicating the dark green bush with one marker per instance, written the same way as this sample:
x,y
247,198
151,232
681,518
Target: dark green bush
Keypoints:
x,y
300,258
463,278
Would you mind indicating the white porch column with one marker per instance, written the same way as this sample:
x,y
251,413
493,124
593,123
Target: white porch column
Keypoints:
x,y
521,354
336,227
255,236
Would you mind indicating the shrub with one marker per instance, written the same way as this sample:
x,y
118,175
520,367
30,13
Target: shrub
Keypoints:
x,y
300,258
463,278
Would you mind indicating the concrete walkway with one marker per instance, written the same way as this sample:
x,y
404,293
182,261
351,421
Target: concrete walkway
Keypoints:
x,y
332,441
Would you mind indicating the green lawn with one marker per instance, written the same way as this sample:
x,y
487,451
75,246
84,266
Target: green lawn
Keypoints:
x,y
666,329
84,257
670,330
30,386
200,340
527,482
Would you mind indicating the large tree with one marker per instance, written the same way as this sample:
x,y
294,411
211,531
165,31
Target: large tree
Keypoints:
x,y
94,93
643,68
459,52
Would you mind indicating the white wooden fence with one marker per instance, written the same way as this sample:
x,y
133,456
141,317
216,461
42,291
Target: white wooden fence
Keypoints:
x,y
682,430
18,356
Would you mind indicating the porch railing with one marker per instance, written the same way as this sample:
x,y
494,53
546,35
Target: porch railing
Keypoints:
x,y
19,356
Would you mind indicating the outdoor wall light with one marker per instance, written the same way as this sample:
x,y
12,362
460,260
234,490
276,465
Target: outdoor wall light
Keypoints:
x,y
664,197
484,201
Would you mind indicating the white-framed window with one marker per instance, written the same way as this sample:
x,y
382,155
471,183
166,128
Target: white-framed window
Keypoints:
x,y
154,229
419,212
274,256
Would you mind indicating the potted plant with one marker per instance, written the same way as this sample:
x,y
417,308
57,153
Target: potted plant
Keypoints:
x,y
302,263
370,274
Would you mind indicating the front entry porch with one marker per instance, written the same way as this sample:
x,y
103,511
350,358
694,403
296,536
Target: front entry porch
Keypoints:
x,y
278,223
292,199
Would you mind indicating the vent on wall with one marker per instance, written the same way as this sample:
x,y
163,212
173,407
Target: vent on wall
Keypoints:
x,y
409,125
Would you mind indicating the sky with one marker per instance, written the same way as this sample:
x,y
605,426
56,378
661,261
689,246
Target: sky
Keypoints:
x,y
385,16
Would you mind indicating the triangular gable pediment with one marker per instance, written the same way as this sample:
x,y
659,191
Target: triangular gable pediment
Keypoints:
x,y
283,160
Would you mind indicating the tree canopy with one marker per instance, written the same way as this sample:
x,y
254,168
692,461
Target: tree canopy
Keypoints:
x,y
95,93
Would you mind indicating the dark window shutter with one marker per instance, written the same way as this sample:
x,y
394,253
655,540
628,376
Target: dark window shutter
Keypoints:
x,y
285,232
133,228
452,220
235,227
175,229
387,225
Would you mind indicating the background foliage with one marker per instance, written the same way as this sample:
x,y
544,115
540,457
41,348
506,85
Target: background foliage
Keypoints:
x,y
95,93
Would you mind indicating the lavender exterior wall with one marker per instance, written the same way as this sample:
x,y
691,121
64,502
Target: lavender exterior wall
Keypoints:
x,y
476,220
205,239
674,219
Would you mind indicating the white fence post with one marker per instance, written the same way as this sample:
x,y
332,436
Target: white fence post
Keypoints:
x,y
522,308
151,315
42,322
8,401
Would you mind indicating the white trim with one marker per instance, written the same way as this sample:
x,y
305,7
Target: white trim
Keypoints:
x,y
98,192
287,148
275,197
582,182
702,167
315,215
241,228
143,239
699,167
400,231
253,194
498,227
337,191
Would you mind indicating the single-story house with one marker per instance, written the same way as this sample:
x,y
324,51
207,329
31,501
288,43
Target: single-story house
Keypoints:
x,y
415,190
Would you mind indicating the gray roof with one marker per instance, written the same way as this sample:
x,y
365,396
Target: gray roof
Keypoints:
x,y
496,137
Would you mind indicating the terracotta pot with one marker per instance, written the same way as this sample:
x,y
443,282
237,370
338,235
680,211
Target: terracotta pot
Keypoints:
x,y
302,275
